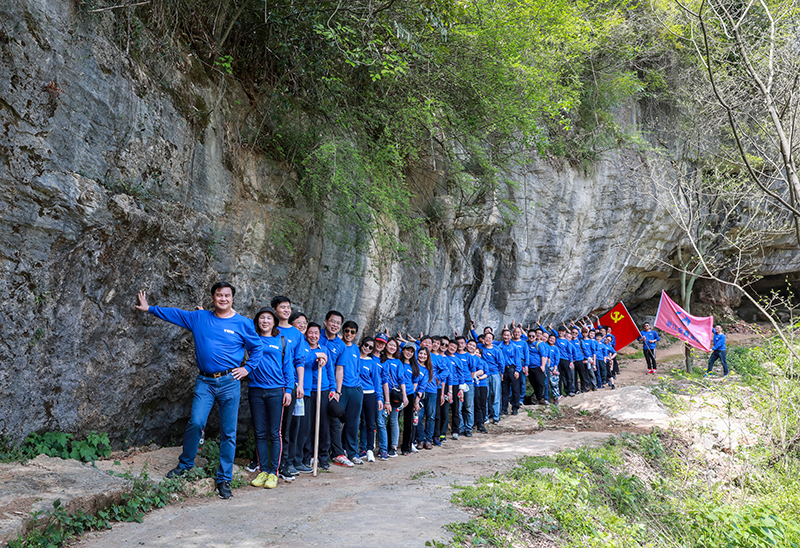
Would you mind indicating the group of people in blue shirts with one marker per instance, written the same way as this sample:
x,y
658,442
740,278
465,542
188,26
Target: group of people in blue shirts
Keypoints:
x,y
379,397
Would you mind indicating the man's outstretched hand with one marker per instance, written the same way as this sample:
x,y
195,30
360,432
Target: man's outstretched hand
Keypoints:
x,y
143,306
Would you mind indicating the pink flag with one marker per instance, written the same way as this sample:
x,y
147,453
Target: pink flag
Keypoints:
x,y
693,330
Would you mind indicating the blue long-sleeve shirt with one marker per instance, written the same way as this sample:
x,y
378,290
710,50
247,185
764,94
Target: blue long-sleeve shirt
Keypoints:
x,y
328,376
294,344
427,383
441,369
576,352
219,343
275,369
523,352
394,375
308,359
370,376
493,357
719,342
511,356
650,339
564,348
348,361
464,367
554,353
479,364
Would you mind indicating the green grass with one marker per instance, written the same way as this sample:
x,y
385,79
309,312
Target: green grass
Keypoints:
x,y
57,527
633,491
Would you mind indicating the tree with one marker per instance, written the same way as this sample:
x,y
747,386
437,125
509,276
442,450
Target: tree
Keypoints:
x,y
723,228
747,53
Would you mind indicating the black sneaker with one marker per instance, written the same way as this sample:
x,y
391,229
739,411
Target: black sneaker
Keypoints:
x,y
285,475
252,467
176,472
224,490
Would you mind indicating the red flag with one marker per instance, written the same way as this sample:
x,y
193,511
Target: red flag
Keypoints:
x,y
622,326
692,330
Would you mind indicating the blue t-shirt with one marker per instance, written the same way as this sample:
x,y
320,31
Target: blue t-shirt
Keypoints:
x,y
348,360
219,343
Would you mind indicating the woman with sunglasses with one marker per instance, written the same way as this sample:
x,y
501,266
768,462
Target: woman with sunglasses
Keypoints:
x,y
372,388
429,389
413,378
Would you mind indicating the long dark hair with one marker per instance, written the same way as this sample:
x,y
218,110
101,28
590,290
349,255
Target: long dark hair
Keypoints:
x,y
385,352
412,361
427,364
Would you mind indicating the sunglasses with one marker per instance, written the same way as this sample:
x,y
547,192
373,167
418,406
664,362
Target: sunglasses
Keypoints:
x,y
369,345
350,331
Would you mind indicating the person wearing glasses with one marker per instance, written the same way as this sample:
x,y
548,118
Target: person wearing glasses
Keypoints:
x,y
349,393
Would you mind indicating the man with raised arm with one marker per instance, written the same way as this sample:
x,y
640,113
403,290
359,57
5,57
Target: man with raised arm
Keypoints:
x,y
221,337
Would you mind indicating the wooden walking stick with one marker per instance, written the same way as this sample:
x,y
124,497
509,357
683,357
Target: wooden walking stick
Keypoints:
x,y
316,426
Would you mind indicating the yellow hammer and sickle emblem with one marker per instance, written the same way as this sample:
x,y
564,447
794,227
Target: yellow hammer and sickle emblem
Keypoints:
x,y
617,316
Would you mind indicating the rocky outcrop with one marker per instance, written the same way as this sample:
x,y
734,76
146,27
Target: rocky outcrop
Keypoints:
x,y
111,182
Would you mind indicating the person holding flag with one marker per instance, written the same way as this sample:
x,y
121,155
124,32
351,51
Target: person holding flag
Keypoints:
x,y
718,351
649,340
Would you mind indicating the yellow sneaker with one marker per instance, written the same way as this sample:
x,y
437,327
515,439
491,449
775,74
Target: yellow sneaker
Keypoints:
x,y
260,480
272,482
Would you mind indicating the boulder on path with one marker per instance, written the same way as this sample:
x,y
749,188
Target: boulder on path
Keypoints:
x,y
628,404
37,484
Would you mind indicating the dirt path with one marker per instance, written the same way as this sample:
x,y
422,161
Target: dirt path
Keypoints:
x,y
401,502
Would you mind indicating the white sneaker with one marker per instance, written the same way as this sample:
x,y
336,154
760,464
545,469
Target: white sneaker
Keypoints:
x,y
370,456
414,448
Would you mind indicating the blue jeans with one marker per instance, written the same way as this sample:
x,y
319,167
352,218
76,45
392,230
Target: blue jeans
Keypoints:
x,y
427,417
226,392
723,357
394,426
266,409
468,410
351,399
495,393
383,438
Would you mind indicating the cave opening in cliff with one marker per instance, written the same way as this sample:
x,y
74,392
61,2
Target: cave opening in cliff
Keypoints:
x,y
781,292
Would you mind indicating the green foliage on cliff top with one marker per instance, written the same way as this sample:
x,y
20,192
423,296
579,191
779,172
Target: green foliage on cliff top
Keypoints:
x,y
361,98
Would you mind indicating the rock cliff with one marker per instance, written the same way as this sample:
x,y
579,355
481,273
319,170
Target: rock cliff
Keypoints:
x,y
111,183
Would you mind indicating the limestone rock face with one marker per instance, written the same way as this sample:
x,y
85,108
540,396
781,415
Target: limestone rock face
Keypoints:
x,y
111,182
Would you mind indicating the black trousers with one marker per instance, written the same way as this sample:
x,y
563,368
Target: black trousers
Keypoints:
x,y
408,425
324,428
567,375
650,357
442,416
510,390
583,373
287,431
537,378
455,409
481,394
